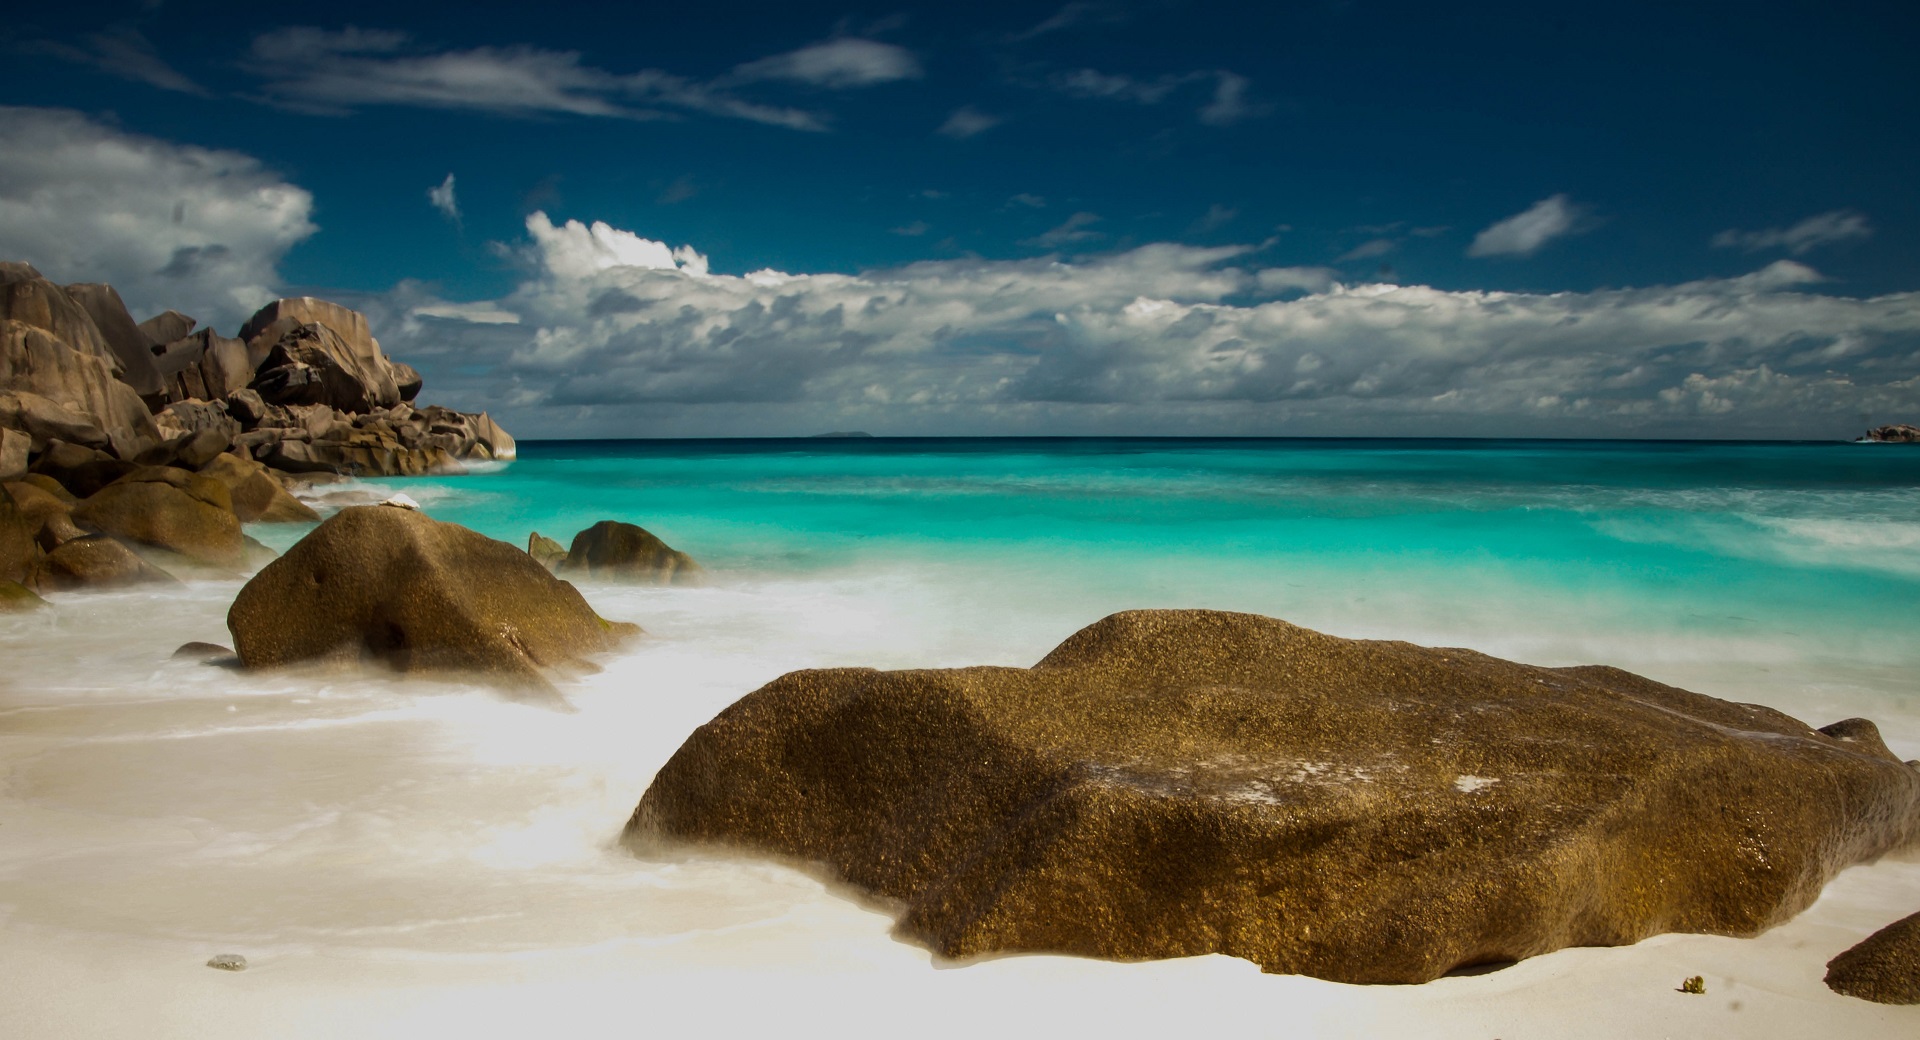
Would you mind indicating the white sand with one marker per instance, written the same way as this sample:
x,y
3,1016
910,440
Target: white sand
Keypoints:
x,y
419,859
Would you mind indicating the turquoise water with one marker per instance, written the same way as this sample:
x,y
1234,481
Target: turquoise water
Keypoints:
x,y
1692,561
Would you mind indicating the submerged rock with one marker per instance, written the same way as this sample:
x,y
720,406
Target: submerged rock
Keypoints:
x,y
16,598
227,962
1176,783
615,551
95,561
198,651
1883,968
400,588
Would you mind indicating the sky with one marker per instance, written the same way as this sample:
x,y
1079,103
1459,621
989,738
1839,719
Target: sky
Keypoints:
x,y
1326,218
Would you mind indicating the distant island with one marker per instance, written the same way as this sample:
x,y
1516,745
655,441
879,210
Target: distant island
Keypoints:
x,y
1897,433
843,433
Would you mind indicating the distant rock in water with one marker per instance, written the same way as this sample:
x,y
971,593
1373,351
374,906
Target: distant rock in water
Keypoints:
x,y
547,552
396,587
1883,968
1899,433
615,551
1177,783
843,433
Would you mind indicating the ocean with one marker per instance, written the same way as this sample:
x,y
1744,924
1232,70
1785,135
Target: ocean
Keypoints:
x,y
412,843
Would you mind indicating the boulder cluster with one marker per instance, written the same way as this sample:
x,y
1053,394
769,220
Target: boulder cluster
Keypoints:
x,y
1185,782
1897,433
614,551
303,388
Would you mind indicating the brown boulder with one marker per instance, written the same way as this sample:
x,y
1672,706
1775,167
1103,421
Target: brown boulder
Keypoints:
x,y
33,362
48,515
16,598
19,549
130,347
545,551
257,496
15,447
166,327
374,583
358,377
80,470
169,509
27,297
203,366
44,420
93,562
615,551
1883,968
1176,783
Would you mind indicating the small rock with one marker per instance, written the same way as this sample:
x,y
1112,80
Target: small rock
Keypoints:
x,y
227,962
1694,984
402,501
198,651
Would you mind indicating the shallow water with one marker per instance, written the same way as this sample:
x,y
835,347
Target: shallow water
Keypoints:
x,y
313,820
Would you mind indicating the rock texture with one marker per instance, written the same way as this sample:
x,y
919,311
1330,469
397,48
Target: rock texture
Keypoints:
x,y
256,495
397,587
171,509
615,551
34,362
93,562
1883,968
1174,783
131,348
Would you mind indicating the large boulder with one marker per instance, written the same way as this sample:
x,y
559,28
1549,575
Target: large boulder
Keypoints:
x,y
93,562
257,496
131,347
203,366
79,470
1176,783
1883,968
48,515
614,551
312,364
28,298
42,420
375,583
170,509
34,362
351,349
167,326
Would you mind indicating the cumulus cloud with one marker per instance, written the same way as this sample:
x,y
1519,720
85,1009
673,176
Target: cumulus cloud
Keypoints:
x,y
170,226
1524,233
1840,225
965,122
441,196
836,65
332,72
619,330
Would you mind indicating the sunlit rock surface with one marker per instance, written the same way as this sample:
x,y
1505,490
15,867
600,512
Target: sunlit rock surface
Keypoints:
x,y
397,587
1174,783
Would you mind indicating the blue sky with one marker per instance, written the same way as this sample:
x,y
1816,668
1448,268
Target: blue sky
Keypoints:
x,y
1269,172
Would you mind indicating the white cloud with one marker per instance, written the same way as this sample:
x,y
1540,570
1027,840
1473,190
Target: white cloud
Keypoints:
x,y
170,226
1367,250
1071,230
913,230
836,65
1524,233
333,72
124,51
442,198
1028,200
1147,339
965,122
1230,104
1089,83
1840,225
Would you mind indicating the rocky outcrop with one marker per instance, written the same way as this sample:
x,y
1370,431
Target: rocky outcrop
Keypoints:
x,y
1175,783
257,496
387,585
131,347
312,364
1899,433
1883,968
615,551
34,362
79,470
30,299
203,366
169,509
